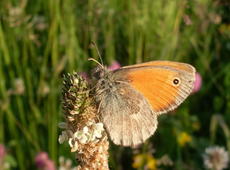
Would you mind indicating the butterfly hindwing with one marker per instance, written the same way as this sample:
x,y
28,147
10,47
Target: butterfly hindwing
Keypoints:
x,y
127,116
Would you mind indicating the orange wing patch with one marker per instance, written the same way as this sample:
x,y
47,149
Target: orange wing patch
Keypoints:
x,y
172,64
156,85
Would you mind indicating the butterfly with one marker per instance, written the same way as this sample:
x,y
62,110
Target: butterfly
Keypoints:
x,y
131,98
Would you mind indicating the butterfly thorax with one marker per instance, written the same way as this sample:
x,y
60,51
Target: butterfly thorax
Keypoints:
x,y
105,83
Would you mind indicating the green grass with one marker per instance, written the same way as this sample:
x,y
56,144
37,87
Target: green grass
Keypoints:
x,y
42,40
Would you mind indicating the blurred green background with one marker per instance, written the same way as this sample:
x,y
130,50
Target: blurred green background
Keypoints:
x,y
41,40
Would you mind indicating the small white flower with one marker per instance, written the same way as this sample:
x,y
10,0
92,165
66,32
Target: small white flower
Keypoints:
x,y
98,129
99,126
63,137
84,139
68,163
61,160
82,135
75,147
73,144
97,133
85,129
216,158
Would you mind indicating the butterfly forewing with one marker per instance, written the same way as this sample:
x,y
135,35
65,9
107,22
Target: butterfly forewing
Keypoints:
x,y
164,87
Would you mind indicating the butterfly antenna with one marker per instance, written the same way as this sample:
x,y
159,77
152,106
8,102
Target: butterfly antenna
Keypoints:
x,y
98,52
92,59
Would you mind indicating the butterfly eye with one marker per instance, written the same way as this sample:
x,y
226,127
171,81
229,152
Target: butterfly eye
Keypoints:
x,y
176,81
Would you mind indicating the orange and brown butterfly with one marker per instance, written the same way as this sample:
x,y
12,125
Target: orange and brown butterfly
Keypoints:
x,y
130,98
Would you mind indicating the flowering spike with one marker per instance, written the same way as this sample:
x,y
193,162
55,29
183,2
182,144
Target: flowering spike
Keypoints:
x,y
82,129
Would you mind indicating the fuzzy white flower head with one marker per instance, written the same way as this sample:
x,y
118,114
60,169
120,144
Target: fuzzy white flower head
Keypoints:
x,y
216,158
